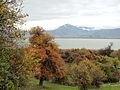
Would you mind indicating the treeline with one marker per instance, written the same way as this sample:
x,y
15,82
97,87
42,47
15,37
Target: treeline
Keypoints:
x,y
90,68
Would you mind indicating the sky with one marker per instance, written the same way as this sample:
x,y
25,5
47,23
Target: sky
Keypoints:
x,y
51,14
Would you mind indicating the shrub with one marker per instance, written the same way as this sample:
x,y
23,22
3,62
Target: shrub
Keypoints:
x,y
77,55
85,74
111,68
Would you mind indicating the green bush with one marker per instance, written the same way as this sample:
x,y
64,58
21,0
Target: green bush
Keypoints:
x,y
111,68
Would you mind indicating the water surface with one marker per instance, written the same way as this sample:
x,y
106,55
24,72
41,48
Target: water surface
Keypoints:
x,y
87,43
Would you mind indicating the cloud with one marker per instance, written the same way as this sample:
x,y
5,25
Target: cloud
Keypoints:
x,y
90,21
96,11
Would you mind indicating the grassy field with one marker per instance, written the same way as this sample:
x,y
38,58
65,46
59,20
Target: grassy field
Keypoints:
x,y
52,86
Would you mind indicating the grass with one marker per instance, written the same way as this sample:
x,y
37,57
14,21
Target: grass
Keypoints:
x,y
109,87
52,86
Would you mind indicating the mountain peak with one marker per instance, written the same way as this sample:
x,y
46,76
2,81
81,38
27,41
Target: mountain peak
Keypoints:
x,y
67,25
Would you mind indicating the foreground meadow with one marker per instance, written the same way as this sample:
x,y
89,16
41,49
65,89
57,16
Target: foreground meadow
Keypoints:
x,y
53,86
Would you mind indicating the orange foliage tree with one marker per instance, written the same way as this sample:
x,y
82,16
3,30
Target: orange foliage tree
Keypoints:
x,y
48,63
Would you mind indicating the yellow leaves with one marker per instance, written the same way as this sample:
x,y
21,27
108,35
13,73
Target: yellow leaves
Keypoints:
x,y
36,40
3,8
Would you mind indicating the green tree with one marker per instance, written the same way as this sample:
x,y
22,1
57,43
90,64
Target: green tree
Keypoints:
x,y
13,61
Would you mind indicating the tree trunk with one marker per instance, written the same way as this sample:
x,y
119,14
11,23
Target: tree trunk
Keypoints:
x,y
83,88
41,82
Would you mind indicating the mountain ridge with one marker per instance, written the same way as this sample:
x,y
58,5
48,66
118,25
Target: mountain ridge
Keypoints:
x,y
71,31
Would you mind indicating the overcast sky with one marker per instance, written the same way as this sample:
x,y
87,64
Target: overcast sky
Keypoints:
x,y
53,13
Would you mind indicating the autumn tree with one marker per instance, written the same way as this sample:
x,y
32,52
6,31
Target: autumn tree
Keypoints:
x,y
47,62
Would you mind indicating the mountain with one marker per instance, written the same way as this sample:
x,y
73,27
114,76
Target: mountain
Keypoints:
x,y
70,31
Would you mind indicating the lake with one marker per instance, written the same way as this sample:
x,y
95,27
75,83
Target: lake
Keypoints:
x,y
87,43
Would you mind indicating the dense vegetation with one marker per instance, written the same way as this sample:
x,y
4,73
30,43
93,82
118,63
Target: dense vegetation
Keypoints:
x,y
43,60
82,64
